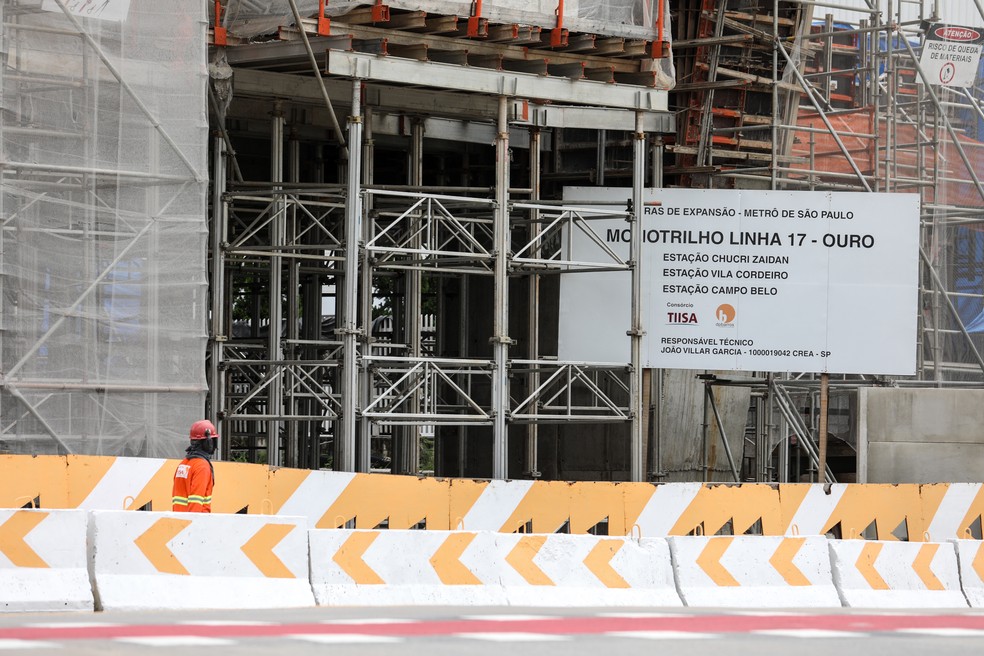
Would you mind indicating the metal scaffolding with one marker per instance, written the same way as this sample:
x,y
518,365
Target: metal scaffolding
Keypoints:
x,y
776,96
851,110
384,237
304,375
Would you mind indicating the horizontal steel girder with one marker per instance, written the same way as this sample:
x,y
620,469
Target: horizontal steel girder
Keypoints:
x,y
524,86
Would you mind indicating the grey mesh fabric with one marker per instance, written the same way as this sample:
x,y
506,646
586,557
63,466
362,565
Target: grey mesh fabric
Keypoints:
x,y
103,244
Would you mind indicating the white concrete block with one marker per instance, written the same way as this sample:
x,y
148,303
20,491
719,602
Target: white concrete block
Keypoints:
x,y
43,561
882,574
146,560
970,558
753,571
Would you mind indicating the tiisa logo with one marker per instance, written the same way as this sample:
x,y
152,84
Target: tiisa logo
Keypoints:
x,y
957,33
725,314
681,317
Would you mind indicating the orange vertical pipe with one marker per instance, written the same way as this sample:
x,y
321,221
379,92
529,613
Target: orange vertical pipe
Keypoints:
x,y
474,20
218,32
324,25
557,34
659,25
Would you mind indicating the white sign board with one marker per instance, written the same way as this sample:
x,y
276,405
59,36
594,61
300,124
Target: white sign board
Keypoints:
x,y
753,281
110,10
951,54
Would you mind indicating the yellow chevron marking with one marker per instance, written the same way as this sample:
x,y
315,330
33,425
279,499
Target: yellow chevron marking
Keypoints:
x,y
866,566
922,567
521,559
349,558
978,563
709,560
12,534
153,544
782,561
599,561
446,561
259,550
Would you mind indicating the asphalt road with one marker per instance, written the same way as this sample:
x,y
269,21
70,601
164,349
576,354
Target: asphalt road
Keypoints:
x,y
492,631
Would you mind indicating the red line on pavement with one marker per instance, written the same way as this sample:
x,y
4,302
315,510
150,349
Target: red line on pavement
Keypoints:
x,y
562,625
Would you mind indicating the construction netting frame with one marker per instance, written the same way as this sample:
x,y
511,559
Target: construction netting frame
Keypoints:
x,y
103,182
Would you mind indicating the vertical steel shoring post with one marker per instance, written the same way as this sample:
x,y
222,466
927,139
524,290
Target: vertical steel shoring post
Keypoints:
x,y
874,85
500,338
217,335
828,55
533,328
410,435
762,453
464,293
345,441
774,127
364,451
865,63
775,108
934,230
822,428
637,438
600,159
275,354
655,448
890,110
785,451
720,427
4,50
291,445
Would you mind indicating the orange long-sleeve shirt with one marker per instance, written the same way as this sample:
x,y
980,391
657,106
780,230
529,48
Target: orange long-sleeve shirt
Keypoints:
x,y
192,490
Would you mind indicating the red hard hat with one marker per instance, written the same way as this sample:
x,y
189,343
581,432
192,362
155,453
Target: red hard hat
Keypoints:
x,y
203,429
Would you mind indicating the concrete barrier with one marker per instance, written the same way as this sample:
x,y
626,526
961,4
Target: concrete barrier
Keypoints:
x,y
485,568
337,499
970,556
881,574
188,560
753,571
392,567
43,561
586,570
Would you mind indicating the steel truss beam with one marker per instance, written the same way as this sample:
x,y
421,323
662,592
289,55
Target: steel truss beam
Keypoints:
x,y
316,220
573,391
433,232
551,244
441,384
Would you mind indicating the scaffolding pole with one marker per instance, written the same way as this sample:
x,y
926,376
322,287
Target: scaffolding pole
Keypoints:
x,y
345,441
500,338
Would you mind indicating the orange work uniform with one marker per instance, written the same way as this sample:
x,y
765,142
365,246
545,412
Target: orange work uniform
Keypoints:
x,y
192,491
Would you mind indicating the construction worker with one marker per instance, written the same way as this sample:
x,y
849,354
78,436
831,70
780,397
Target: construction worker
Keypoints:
x,y
194,477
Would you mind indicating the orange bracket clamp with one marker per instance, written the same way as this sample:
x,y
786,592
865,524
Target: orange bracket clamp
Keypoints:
x,y
558,35
475,20
380,12
324,23
219,34
661,47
